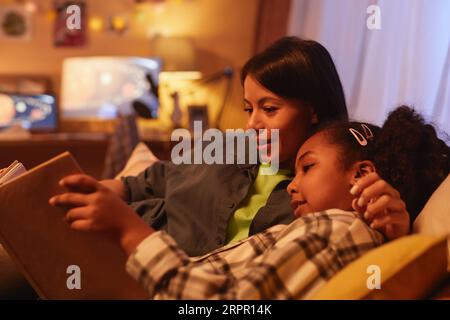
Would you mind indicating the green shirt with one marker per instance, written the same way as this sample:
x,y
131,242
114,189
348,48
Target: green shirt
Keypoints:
x,y
239,224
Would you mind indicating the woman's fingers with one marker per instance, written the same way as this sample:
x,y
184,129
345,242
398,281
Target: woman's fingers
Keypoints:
x,y
383,204
357,208
363,183
376,190
80,183
381,222
391,220
69,200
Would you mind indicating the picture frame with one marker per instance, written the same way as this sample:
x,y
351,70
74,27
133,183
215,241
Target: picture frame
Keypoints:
x,y
15,23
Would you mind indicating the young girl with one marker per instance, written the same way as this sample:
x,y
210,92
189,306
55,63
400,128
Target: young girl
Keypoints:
x,y
286,261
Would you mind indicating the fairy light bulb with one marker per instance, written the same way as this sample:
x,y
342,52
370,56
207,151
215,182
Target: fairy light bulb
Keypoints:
x,y
95,24
119,23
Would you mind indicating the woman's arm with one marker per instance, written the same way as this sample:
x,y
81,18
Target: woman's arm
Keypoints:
x,y
148,184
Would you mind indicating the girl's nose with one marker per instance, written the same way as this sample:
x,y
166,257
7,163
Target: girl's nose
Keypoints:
x,y
292,188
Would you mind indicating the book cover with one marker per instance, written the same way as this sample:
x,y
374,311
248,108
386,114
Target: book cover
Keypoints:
x,y
45,248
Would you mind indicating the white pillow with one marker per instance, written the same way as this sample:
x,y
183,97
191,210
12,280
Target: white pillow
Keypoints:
x,y
434,219
140,159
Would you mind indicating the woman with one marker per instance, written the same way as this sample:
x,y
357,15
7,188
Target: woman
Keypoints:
x,y
292,86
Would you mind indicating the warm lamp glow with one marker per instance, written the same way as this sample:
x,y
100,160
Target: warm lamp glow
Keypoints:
x,y
178,53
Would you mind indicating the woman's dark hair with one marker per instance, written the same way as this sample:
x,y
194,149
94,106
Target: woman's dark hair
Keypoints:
x,y
302,70
406,152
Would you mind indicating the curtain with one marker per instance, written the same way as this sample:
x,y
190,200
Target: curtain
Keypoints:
x,y
406,61
271,22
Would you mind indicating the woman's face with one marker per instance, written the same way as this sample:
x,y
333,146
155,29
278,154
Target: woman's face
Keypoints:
x,y
320,182
267,110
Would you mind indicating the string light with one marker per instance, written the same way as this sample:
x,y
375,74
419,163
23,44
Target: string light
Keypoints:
x,y
118,24
96,23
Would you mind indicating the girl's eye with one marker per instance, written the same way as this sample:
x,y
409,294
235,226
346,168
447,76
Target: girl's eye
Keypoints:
x,y
307,167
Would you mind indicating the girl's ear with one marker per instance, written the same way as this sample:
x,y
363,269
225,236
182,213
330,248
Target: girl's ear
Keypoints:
x,y
361,169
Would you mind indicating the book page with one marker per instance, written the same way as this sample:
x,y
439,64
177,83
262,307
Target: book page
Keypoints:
x,y
13,171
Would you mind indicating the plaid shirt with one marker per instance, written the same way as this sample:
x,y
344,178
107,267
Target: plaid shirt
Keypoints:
x,y
284,262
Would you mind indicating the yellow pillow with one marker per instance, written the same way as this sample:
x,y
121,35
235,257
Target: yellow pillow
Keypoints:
x,y
410,268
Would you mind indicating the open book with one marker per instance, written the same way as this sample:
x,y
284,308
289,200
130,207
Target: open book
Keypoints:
x,y
14,170
58,262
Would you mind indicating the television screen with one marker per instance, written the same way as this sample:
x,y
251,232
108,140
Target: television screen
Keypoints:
x,y
102,87
32,112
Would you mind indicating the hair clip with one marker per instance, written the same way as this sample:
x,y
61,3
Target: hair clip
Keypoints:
x,y
358,136
367,132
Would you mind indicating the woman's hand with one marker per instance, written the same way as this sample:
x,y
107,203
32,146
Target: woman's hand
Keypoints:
x,y
94,207
116,186
381,206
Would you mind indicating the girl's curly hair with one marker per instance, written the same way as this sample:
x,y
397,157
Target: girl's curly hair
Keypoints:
x,y
406,152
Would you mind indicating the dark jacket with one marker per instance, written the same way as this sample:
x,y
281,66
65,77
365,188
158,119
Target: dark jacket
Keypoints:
x,y
193,203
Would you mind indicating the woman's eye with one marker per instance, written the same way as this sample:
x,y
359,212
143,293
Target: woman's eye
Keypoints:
x,y
270,109
248,110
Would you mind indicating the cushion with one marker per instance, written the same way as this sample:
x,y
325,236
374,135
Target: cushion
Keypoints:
x,y
434,219
410,268
140,159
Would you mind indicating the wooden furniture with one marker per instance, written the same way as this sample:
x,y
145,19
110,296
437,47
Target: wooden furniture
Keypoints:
x,y
25,84
89,150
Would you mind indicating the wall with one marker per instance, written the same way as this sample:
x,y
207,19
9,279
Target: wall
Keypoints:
x,y
222,30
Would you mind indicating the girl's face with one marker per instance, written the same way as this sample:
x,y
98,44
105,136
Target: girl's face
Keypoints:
x,y
267,110
320,182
